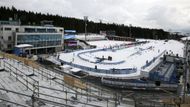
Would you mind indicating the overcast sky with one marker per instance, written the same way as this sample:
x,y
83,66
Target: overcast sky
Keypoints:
x,y
173,15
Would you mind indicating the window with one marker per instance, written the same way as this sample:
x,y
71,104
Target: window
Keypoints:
x,y
7,28
41,30
51,30
1,29
61,30
1,37
17,29
9,38
30,30
9,46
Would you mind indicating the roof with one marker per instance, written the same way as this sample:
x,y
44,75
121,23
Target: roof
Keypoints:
x,y
75,70
66,66
73,31
23,46
69,37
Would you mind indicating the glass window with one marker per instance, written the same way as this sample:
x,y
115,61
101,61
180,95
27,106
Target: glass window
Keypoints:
x,y
17,29
9,38
29,29
7,28
41,30
51,30
40,40
9,46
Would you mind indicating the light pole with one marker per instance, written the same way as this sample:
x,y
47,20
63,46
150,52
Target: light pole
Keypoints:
x,y
130,25
185,70
85,26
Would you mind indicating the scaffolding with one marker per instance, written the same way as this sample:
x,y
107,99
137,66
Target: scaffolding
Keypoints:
x,y
33,85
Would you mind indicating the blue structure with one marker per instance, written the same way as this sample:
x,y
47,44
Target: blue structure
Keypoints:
x,y
166,73
20,50
69,34
70,39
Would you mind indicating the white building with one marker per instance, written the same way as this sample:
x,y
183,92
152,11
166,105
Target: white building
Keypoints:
x,y
44,39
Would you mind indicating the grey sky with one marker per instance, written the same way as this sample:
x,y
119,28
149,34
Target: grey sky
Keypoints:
x,y
165,14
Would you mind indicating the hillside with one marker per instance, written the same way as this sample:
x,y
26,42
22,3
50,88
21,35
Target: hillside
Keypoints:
x,y
34,18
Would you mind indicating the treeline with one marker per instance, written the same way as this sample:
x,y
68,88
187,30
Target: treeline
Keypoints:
x,y
34,18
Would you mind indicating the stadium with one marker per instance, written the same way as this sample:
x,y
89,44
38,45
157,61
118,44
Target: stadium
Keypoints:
x,y
126,61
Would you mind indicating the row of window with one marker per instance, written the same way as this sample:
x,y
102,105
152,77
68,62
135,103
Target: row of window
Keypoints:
x,y
41,30
40,40
9,46
32,29
41,44
9,22
9,29
32,38
9,38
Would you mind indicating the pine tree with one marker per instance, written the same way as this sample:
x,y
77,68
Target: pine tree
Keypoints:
x,y
34,18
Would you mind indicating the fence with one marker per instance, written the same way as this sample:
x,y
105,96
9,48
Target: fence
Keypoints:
x,y
97,50
75,82
29,82
105,71
144,85
26,80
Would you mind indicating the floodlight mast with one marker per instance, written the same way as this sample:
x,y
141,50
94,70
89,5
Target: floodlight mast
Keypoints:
x,y
130,26
85,26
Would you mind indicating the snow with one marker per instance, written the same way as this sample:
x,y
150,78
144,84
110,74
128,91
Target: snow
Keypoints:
x,y
23,46
128,57
134,57
185,38
107,43
75,70
44,77
66,67
91,37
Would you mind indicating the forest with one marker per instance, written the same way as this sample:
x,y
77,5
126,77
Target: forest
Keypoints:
x,y
34,18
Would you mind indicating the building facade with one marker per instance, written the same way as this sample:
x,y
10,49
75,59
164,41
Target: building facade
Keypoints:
x,y
44,39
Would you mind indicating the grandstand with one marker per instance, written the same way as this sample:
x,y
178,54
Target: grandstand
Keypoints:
x,y
26,84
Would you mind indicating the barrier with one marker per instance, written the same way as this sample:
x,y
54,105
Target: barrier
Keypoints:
x,y
74,82
153,60
146,85
97,50
23,78
167,75
105,71
118,47
20,59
